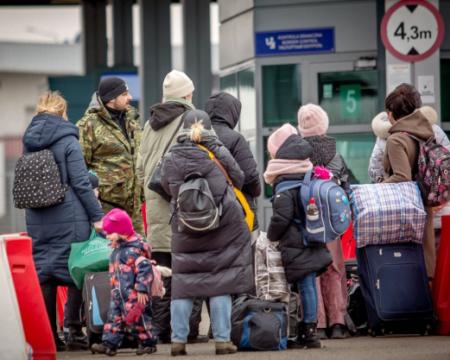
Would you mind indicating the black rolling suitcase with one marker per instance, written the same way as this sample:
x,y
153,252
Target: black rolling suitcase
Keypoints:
x,y
395,287
96,296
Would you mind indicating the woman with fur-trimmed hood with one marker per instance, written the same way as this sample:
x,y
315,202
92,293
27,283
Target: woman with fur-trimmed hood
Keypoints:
x,y
381,126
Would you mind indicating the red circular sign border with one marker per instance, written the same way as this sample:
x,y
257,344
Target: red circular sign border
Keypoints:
x,y
437,43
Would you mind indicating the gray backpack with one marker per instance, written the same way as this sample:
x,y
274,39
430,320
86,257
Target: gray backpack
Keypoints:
x,y
196,209
37,181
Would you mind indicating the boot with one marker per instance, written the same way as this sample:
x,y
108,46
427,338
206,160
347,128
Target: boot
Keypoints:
x,y
178,349
225,347
103,349
60,345
307,336
76,340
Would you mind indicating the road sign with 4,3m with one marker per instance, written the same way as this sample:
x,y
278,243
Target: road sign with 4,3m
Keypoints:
x,y
412,30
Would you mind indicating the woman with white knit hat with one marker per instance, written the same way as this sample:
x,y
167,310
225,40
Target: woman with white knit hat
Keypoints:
x,y
313,124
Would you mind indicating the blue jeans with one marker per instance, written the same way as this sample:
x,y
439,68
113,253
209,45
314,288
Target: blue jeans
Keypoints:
x,y
220,312
308,296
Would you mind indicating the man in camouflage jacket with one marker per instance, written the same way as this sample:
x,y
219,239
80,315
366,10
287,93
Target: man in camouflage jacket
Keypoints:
x,y
110,135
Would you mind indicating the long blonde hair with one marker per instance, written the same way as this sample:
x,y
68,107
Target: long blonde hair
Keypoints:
x,y
196,131
52,102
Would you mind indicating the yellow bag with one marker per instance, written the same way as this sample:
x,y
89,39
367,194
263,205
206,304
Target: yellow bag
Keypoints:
x,y
249,215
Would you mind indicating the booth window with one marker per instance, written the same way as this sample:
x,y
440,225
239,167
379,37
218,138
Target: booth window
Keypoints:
x,y
349,97
445,89
229,84
281,94
247,96
356,150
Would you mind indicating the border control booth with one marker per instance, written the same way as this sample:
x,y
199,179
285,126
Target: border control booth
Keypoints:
x,y
277,55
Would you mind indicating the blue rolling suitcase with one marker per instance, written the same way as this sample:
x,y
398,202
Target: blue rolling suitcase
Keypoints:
x,y
395,287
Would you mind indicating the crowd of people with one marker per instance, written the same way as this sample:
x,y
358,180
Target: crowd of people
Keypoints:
x,y
179,143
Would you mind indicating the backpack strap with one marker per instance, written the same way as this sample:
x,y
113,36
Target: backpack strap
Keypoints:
x,y
249,214
288,185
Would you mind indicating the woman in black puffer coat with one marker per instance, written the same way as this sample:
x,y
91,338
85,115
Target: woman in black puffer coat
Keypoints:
x,y
224,110
302,263
219,262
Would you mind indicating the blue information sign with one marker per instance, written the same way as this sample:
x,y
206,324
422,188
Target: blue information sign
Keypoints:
x,y
287,42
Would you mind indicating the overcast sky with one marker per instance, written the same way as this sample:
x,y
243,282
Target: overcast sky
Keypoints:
x,y
49,24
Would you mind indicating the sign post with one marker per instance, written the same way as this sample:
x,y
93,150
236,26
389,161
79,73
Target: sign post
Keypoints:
x,y
412,32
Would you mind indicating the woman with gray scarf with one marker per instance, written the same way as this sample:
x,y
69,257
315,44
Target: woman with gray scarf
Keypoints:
x,y
217,263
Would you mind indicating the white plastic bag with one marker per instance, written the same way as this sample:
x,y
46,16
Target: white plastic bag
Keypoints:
x,y
270,278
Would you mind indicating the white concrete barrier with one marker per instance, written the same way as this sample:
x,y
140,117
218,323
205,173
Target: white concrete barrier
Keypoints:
x,y
12,338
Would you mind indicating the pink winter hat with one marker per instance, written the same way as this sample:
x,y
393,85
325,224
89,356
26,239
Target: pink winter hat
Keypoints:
x,y
277,138
118,221
312,120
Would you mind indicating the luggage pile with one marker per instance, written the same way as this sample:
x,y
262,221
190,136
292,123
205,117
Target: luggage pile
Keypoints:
x,y
260,323
389,222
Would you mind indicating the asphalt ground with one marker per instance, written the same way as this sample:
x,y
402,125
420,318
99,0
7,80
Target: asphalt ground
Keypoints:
x,y
356,348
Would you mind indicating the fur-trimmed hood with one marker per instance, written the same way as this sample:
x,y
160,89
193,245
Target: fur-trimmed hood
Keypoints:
x,y
381,124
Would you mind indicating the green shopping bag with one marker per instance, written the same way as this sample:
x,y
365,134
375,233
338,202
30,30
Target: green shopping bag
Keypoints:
x,y
91,255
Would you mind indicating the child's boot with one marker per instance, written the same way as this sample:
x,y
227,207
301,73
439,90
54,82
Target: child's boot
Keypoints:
x,y
225,347
178,349
103,349
307,336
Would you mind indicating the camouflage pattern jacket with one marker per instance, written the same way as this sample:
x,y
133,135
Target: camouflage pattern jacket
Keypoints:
x,y
109,153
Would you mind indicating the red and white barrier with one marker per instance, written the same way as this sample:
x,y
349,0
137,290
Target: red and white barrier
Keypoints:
x,y
12,337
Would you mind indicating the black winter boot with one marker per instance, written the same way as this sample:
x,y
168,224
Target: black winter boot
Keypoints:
x,y
307,336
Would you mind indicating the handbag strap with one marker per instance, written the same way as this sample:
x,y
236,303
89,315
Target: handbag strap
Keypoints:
x,y
172,137
217,162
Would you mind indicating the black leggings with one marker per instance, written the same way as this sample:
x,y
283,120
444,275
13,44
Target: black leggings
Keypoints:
x,y
73,306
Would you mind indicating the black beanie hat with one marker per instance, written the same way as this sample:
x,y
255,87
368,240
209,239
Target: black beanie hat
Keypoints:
x,y
110,88
192,116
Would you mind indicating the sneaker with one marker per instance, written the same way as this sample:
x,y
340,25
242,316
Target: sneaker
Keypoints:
x,y
103,349
141,350
77,341
178,349
338,331
225,347
198,339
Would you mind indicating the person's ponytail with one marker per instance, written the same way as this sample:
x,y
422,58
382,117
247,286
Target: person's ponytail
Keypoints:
x,y
196,131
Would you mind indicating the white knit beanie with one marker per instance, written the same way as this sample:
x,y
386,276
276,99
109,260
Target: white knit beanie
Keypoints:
x,y
312,120
177,84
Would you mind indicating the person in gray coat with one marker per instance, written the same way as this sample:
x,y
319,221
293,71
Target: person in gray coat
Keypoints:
x,y
217,263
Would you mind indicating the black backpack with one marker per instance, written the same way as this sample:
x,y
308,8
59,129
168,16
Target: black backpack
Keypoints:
x,y
196,210
37,181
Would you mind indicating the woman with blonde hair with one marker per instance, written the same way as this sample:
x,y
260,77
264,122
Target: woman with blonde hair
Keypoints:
x,y
54,228
214,263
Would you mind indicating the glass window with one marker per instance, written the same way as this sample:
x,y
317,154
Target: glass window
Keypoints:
x,y
281,94
356,150
229,84
247,96
349,97
445,89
